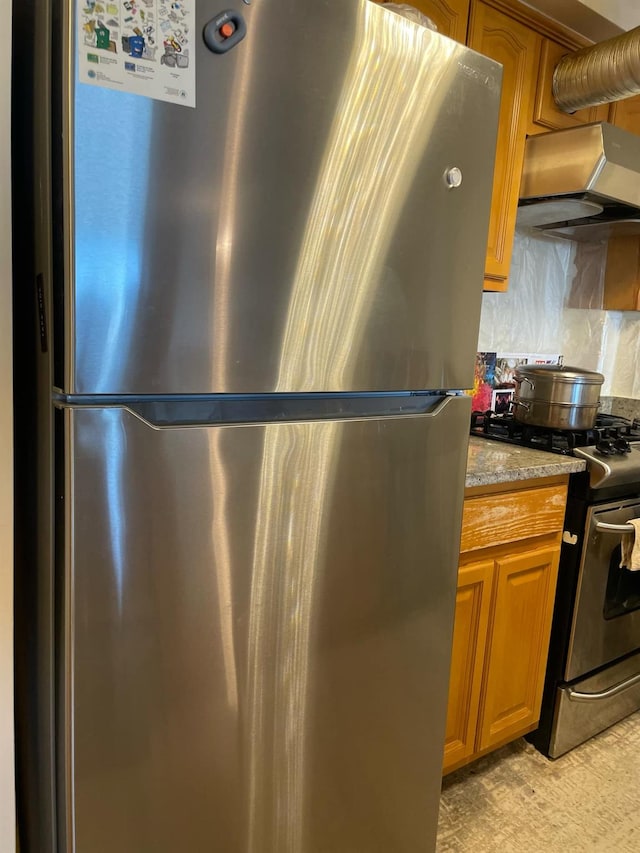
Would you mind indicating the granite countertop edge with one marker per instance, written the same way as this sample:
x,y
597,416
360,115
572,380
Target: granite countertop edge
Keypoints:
x,y
492,462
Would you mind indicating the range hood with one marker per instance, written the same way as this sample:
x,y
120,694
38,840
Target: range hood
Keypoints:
x,y
582,183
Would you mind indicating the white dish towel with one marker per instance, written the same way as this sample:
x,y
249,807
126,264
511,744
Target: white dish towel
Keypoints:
x,y
631,547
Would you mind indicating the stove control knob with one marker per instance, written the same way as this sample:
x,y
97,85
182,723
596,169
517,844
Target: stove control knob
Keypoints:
x,y
605,447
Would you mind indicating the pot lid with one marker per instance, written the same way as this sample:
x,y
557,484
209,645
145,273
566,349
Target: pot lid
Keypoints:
x,y
560,373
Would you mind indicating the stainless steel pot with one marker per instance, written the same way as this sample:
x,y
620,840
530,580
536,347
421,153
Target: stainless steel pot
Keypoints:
x,y
556,396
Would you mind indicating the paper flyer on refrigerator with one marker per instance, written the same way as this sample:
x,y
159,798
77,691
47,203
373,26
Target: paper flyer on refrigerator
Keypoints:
x,y
144,47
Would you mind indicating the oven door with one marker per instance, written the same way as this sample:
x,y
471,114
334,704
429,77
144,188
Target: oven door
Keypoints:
x,y
606,617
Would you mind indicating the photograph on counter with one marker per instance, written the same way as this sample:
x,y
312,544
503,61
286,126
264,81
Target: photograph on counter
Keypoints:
x,y
505,368
507,363
501,400
495,372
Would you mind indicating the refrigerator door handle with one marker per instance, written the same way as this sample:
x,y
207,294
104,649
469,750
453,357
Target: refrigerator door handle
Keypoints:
x,y
183,413
441,406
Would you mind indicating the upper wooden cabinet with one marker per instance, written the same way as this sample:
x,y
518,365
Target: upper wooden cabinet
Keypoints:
x,y
450,16
622,274
516,47
529,46
626,114
546,115
622,271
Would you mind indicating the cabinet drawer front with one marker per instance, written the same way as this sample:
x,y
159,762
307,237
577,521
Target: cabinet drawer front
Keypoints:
x,y
512,516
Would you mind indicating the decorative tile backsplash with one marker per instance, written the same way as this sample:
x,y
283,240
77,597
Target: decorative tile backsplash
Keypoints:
x,y
555,287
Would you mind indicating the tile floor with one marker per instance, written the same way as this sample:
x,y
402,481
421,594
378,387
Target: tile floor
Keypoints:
x,y
517,801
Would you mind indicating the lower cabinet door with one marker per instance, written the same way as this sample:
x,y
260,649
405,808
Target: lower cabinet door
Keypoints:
x,y
517,653
473,602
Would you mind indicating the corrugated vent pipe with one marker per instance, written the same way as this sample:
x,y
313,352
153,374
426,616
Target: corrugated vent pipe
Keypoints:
x,y
604,72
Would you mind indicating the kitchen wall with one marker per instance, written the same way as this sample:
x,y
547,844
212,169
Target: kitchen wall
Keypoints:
x,y
622,12
595,19
7,804
552,306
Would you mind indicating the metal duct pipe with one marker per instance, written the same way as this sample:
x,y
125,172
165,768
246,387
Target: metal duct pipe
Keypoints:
x,y
604,72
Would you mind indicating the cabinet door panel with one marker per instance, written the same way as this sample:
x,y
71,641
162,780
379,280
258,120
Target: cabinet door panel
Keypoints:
x,y
516,47
473,602
546,115
626,114
518,645
622,274
450,16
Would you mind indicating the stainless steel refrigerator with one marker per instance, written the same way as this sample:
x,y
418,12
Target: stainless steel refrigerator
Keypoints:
x,y
254,287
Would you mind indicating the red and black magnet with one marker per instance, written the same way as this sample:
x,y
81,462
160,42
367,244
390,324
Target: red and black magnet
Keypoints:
x,y
224,31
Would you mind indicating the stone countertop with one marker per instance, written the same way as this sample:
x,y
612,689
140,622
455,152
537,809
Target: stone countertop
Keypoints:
x,y
490,462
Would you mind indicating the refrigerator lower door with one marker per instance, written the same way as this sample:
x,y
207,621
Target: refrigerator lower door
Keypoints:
x,y
257,626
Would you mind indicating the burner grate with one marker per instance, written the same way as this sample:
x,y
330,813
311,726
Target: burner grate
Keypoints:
x,y
610,433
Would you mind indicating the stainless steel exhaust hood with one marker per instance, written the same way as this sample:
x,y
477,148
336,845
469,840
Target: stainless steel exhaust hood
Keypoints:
x,y
582,183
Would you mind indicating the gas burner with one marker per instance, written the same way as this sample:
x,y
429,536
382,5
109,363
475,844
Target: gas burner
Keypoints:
x,y
609,437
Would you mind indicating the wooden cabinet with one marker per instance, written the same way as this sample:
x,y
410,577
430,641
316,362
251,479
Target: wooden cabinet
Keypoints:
x,y
622,274
528,45
515,46
626,114
473,600
546,115
622,270
450,16
510,549
516,658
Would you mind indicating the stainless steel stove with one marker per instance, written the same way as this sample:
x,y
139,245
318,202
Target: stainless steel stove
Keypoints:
x,y
593,673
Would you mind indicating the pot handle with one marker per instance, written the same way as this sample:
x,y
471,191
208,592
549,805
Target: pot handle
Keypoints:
x,y
529,382
525,406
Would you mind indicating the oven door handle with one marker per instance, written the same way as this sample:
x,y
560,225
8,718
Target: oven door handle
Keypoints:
x,y
614,528
576,696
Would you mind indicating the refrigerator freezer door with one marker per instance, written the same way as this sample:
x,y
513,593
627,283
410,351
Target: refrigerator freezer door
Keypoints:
x,y
258,622
301,229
